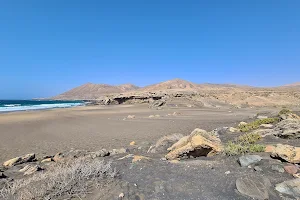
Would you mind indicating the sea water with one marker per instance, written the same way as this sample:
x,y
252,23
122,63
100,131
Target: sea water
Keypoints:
x,y
23,105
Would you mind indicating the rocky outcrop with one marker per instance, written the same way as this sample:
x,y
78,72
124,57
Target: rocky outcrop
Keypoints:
x,y
198,143
29,169
285,152
291,187
288,129
19,160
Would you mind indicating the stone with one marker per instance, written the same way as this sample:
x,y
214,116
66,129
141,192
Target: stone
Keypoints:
x,y
59,157
243,123
130,116
258,169
233,130
198,143
277,168
121,195
28,169
291,187
256,187
228,172
118,151
132,143
19,160
157,104
139,158
100,153
262,117
296,175
291,169
287,153
46,160
288,129
266,126
247,160
269,148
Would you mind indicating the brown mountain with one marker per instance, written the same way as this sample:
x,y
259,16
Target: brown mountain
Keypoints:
x,y
94,91
175,84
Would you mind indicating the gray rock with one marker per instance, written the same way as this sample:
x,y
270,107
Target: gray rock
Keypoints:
x,y
291,187
255,187
278,168
288,129
247,160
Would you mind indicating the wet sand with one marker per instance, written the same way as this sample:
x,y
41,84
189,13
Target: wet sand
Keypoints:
x,y
95,127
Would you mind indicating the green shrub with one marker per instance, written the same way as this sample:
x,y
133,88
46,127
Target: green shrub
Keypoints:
x,y
284,111
255,124
244,144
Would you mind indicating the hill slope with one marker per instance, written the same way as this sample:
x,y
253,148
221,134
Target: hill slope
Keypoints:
x,y
94,91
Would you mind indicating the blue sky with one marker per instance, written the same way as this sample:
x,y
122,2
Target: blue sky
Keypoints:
x,y
47,47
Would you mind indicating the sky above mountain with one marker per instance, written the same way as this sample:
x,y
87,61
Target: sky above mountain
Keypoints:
x,y
48,47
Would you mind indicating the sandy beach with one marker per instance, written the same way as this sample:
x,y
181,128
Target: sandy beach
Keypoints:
x,y
95,127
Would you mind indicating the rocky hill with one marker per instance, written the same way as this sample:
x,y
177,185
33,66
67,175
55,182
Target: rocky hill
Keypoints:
x,y
206,94
94,91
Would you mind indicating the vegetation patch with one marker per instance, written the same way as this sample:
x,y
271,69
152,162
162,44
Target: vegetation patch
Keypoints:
x,y
284,112
255,124
62,181
244,144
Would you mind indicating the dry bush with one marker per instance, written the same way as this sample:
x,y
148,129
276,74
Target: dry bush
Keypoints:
x,y
62,180
244,144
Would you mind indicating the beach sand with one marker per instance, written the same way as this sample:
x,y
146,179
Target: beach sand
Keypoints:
x,y
94,127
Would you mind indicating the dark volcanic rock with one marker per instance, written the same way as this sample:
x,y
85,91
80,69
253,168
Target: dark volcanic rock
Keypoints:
x,y
247,160
254,186
291,187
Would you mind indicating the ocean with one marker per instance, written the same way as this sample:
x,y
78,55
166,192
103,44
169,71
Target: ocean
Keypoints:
x,y
23,105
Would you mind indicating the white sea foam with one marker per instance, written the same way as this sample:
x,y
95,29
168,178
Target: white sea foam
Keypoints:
x,y
16,107
12,105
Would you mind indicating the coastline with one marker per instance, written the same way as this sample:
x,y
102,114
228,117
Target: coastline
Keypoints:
x,y
93,127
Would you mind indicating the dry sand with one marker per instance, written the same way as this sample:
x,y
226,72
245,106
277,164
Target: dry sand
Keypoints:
x,y
96,127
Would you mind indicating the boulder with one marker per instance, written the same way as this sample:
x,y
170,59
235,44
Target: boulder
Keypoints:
x,y
164,143
288,129
29,169
198,143
247,160
59,157
118,151
46,160
256,187
291,116
291,187
157,104
130,116
291,169
19,160
132,143
287,153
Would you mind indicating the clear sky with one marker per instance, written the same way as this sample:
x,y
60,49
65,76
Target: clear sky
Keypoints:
x,y
47,47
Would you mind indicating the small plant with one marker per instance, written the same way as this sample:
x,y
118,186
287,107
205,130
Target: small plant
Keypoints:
x,y
284,111
255,124
244,144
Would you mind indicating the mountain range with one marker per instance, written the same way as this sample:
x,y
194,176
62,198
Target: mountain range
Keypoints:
x,y
92,91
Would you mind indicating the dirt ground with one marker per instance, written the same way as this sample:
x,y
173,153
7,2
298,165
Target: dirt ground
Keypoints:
x,y
96,127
